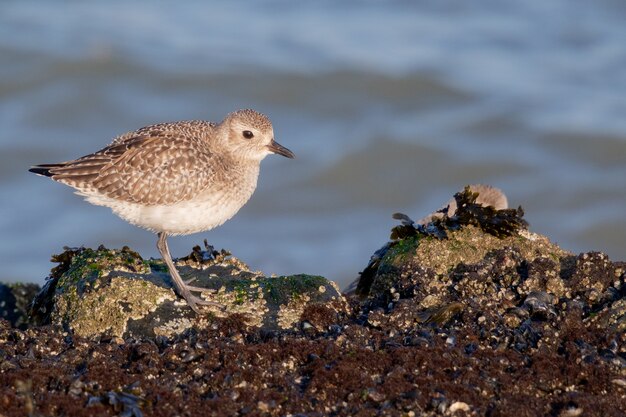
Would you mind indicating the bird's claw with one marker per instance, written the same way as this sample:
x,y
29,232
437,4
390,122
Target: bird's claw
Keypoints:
x,y
194,302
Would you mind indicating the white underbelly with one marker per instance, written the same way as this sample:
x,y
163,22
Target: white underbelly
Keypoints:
x,y
181,218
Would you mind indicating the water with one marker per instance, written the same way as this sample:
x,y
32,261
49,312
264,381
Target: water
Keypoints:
x,y
389,106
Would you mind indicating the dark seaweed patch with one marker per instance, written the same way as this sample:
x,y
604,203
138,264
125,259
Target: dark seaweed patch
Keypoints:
x,y
500,223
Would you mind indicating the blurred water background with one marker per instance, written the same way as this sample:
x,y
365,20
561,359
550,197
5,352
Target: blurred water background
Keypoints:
x,y
389,106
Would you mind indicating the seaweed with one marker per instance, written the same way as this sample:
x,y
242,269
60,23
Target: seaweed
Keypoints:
x,y
497,222
366,277
208,255
41,306
406,229
64,261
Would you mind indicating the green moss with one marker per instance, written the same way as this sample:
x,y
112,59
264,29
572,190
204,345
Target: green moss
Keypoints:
x,y
241,291
401,250
281,290
85,267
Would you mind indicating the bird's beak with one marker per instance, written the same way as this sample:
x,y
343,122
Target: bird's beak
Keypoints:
x,y
276,147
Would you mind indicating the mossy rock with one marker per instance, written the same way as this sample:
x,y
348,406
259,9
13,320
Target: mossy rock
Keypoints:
x,y
467,246
105,292
506,287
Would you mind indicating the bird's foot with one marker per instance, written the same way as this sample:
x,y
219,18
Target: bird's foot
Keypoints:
x,y
182,288
196,302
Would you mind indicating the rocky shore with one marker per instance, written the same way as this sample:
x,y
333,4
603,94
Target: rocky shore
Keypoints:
x,y
470,314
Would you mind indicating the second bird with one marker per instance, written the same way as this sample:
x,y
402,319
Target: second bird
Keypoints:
x,y
175,178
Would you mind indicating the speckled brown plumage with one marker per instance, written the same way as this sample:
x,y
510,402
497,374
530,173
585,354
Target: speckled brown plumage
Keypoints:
x,y
150,168
175,178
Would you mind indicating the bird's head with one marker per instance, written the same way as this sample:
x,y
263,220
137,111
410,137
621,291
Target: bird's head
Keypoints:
x,y
249,135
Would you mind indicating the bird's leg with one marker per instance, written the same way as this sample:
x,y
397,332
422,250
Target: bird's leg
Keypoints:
x,y
197,289
181,287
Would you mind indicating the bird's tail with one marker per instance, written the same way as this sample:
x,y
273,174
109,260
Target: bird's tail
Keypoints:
x,y
45,169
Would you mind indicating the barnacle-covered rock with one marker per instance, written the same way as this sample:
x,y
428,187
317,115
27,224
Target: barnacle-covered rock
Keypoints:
x,y
480,270
107,292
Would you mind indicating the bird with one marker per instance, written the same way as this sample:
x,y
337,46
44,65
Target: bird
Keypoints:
x,y
175,178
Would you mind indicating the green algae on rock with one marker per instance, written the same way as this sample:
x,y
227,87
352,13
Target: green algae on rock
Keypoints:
x,y
107,292
467,245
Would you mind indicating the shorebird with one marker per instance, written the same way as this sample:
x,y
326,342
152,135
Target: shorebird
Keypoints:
x,y
175,178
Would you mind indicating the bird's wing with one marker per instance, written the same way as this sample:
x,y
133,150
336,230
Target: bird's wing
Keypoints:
x,y
149,169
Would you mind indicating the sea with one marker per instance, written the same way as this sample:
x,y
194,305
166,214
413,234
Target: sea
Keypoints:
x,y
390,106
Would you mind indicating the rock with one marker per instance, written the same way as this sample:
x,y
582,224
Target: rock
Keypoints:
x,y
479,205
465,264
15,300
115,293
505,281
513,286
458,406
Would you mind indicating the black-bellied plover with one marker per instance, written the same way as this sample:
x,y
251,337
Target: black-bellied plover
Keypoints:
x,y
175,178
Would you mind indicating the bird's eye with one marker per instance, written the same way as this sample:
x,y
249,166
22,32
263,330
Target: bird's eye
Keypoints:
x,y
247,134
